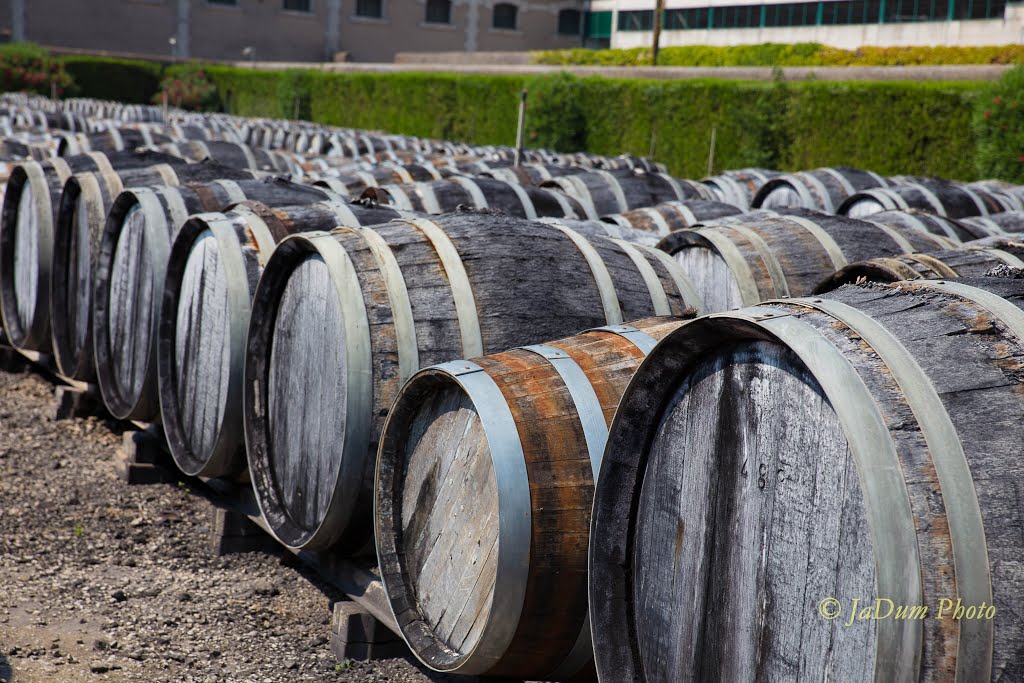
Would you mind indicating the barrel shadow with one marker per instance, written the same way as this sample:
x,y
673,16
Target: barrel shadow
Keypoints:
x,y
6,672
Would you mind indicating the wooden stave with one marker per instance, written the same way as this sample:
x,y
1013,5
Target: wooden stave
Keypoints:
x,y
73,360
609,376
227,456
952,229
675,215
47,181
639,413
340,526
760,278
141,402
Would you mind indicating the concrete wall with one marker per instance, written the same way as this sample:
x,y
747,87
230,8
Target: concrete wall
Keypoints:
x,y
1006,31
218,32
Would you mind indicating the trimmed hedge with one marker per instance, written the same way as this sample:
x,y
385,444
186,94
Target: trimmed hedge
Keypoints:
x,y
918,128
106,78
785,54
999,126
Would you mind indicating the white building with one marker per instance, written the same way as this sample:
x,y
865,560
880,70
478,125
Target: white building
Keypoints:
x,y
837,23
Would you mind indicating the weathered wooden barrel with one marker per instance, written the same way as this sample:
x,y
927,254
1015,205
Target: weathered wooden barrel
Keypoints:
x,y
739,187
342,319
527,174
677,215
234,154
823,189
84,204
214,265
745,259
773,472
27,223
354,183
485,477
1011,195
605,192
952,229
130,272
111,140
970,261
592,229
443,196
1009,222
940,197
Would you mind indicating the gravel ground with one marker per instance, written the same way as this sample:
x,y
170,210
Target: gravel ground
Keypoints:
x,y
106,582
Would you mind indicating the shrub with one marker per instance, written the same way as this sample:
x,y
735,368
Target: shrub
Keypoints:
x,y
999,127
27,67
789,54
187,86
106,78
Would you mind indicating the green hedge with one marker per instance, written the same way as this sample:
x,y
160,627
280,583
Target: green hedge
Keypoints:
x,y
919,128
785,54
999,126
106,78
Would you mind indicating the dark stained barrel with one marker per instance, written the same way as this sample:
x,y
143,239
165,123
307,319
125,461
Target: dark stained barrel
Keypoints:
x,y
443,196
1010,195
1010,222
676,215
343,319
214,265
970,261
592,229
27,223
130,271
234,154
944,226
607,192
739,187
823,189
354,183
528,174
84,203
941,197
111,140
484,486
769,466
742,260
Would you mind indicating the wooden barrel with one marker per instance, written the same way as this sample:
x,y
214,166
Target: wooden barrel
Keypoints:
x,y
27,223
823,189
111,140
742,260
485,477
970,261
591,229
739,187
1009,222
940,197
604,192
952,229
1009,194
233,154
526,174
664,218
768,467
130,271
443,196
354,183
214,265
345,318
84,204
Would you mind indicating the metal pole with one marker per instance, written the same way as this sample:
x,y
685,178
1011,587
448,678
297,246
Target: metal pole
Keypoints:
x,y
18,21
659,9
521,128
711,154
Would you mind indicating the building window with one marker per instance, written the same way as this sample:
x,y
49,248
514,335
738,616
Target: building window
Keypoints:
x,y
505,16
298,5
370,8
439,12
228,3
569,21
636,20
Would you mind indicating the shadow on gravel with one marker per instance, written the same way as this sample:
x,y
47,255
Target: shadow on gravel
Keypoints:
x,y
6,673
